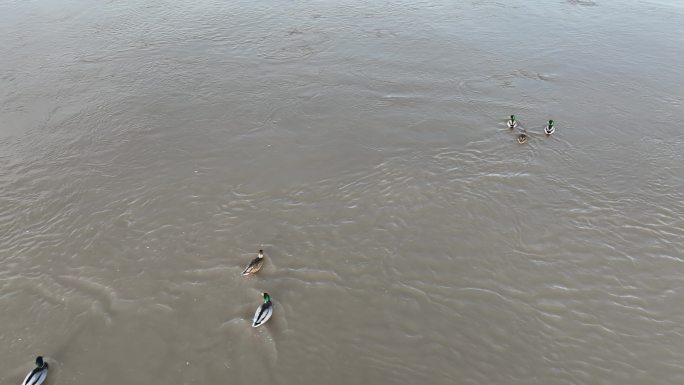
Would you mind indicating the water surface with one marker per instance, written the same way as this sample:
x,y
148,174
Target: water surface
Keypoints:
x,y
148,149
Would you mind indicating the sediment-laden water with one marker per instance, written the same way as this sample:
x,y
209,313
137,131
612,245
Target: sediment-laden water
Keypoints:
x,y
148,149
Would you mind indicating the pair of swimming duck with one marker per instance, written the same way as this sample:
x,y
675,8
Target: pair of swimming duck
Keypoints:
x,y
265,310
522,138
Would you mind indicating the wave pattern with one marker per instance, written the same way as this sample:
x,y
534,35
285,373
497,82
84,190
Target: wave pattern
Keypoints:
x,y
152,148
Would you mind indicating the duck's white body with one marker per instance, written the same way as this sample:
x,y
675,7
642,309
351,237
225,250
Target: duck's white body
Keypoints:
x,y
38,374
548,130
262,314
512,123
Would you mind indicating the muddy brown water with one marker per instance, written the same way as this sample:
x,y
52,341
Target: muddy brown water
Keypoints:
x,y
148,149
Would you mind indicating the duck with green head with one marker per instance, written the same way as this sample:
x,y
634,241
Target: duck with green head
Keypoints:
x,y
263,312
512,123
38,374
549,129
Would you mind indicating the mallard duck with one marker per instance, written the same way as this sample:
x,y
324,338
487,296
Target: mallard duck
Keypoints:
x,y
38,374
549,129
512,123
263,312
255,265
522,138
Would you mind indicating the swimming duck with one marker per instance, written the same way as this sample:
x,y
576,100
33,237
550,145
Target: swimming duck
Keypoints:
x,y
255,265
512,123
263,312
522,138
549,129
38,374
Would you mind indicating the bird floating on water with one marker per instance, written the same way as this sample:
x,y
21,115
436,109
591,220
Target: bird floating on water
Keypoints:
x,y
522,138
549,129
38,374
512,123
255,265
263,312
